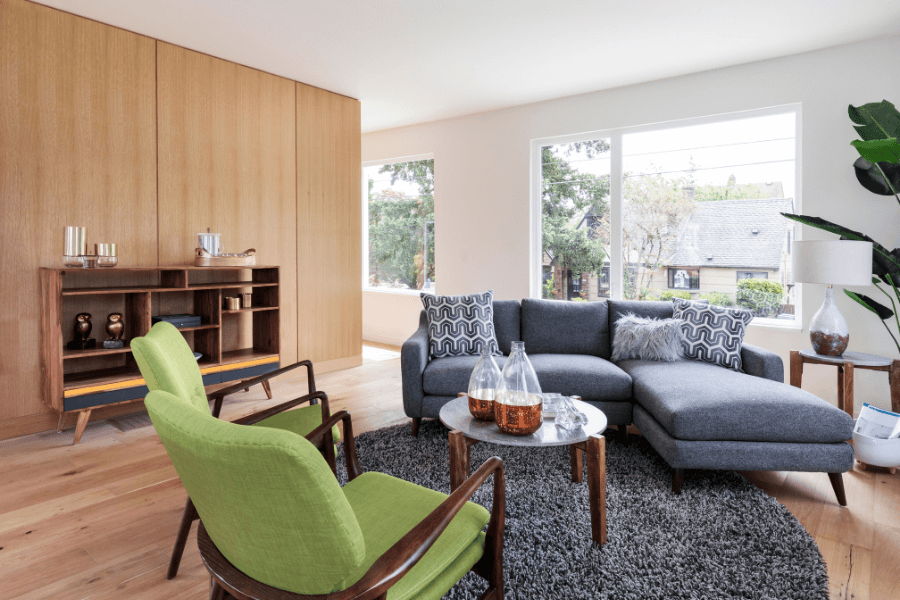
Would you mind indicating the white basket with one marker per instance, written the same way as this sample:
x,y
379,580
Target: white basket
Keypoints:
x,y
876,451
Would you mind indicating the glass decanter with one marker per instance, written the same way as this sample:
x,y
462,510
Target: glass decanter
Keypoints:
x,y
483,386
518,404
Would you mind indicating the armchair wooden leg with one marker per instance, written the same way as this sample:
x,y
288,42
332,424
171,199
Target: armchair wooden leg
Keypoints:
x,y
837,482
216,591
187,518
677,474
415,427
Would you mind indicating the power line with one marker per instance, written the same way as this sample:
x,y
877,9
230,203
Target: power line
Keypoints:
x,y
765,162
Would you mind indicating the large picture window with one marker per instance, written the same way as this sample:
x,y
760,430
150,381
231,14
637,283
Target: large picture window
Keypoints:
x,y
648,213
399,213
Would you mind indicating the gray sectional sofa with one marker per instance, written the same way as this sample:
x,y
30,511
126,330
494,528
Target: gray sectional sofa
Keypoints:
x,y
695,414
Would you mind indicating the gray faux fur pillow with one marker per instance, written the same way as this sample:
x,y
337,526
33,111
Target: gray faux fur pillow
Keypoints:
x,y
647,339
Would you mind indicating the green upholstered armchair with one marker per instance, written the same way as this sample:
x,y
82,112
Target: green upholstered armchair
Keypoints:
x,y
276,525
167,364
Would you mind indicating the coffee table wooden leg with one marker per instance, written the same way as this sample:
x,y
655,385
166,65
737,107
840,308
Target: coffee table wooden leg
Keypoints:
x,y
596,463
577,458
460,466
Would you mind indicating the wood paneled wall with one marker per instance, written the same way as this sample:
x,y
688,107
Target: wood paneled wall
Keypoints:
x,y
268,162
227,161
329,232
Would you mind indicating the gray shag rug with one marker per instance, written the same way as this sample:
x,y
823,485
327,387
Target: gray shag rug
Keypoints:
x,y
721,538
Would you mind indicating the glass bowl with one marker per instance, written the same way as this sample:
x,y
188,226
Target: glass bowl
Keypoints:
x,y
107,261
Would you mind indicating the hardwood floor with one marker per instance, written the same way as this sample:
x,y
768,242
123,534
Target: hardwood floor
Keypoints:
x,y
98,520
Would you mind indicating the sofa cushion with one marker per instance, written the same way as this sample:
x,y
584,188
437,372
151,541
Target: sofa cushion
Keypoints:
x,y
647,310
553,327
713,334
591,377
507,319
449,376
699,401
460,325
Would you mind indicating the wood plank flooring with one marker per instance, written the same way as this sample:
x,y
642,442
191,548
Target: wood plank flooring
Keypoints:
x,y
98,520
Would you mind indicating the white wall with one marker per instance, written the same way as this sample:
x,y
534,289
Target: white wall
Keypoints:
x,y
482,168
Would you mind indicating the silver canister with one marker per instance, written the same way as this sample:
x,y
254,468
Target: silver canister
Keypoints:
x,y
232,303
247,299
76,241
105,250
210,242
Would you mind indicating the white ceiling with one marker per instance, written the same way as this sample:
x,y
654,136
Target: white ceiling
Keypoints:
x,y
411,61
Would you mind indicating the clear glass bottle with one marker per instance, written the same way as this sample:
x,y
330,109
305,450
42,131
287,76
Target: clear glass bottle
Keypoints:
x,y
483,386
518,405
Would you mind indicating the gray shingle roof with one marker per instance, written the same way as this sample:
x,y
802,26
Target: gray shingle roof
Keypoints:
x,y
721,234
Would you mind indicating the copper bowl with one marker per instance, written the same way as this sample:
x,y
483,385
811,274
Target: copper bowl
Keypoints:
x,y
481,409
518,420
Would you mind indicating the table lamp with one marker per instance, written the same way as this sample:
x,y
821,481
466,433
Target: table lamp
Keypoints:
x,y
836,262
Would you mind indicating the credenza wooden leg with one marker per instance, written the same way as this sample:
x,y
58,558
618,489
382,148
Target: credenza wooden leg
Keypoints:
x,y
83,418
267,389
60,425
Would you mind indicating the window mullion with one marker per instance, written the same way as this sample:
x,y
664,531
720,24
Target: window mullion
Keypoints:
x,y
616,206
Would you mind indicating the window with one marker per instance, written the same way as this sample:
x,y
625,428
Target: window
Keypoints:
x,y
399,213
574,218
684,279
628,208
752,275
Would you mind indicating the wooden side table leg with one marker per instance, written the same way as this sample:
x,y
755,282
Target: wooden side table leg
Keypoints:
x,y
796,368
83,417
460,467
840,387
894,377
847,388
596,459
576,456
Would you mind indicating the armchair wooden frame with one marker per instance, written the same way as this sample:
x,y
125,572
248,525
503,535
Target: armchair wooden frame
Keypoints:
x,y
217,398
391,566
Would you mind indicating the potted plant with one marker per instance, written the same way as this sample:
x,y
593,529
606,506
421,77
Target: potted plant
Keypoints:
x,y
878,170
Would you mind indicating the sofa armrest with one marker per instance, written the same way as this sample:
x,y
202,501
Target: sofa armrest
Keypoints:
x,y
413,360
760,362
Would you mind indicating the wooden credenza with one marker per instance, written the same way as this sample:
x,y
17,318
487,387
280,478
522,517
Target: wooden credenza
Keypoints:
x,y
77,381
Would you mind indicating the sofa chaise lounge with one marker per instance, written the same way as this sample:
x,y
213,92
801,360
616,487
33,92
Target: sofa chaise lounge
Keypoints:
x,y
695,414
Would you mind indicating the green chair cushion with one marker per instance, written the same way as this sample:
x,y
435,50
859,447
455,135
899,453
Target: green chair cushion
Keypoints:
x,y
267,498
300,420
387,508
167,363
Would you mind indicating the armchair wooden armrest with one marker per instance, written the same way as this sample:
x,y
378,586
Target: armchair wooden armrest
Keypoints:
x,y
391,566
322,437
274,410
219,395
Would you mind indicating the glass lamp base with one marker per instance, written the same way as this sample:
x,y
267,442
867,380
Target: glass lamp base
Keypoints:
x,y
828,330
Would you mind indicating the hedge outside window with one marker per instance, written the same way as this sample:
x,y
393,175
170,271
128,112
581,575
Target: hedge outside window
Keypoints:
x,y
684,279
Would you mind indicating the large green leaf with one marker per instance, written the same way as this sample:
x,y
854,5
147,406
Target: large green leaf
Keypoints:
x,y
876,121
884,313
884,261
871,178
887,150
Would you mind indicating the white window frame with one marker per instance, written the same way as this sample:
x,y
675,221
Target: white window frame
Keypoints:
x,y
616,190
365,223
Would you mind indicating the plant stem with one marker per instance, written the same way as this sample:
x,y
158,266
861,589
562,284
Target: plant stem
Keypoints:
x,y
894,306
888,182
892,335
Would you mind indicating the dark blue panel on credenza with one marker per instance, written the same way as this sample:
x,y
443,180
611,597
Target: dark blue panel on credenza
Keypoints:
x,y
132,393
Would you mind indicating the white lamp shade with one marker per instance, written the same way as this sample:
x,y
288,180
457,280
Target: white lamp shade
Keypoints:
x,y
839,262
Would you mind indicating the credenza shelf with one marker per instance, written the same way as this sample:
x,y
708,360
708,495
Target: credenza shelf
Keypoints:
x,y
81,380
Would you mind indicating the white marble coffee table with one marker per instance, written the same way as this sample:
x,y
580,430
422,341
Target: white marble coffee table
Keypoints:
x,y
466,431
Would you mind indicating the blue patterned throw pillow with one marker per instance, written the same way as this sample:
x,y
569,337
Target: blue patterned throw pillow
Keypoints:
x,y
713,334
460,325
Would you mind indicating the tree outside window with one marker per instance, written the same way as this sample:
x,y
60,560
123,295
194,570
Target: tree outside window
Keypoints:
x,y
401,225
